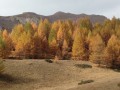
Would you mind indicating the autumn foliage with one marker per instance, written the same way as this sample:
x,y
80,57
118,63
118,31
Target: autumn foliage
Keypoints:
x,y
64,39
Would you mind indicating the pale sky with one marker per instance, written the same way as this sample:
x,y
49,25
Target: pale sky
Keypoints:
x,y
108,8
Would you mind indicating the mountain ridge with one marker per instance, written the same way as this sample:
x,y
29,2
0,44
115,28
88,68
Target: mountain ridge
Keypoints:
x,y
8,22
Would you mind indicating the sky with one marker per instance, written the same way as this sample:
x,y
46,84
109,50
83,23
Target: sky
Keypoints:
x,y
108,8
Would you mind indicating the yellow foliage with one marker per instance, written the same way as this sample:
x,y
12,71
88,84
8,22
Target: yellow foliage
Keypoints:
x,y
78,49
96,47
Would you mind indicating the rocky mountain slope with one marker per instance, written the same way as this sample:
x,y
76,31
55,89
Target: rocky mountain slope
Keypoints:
x,y
9,21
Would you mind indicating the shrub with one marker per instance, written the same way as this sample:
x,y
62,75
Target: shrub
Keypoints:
x,y
85,82
83,66
48,60
118,84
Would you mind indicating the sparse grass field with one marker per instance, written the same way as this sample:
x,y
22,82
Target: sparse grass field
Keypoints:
x,y
61,75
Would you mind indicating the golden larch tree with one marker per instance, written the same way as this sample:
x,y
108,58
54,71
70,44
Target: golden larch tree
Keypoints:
x,y
113,52
97,47
78,49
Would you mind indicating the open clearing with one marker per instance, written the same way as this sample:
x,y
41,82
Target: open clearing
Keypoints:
x,y
62,75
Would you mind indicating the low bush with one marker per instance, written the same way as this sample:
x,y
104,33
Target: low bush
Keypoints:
x,y
83,66
85,82
118,84
48,60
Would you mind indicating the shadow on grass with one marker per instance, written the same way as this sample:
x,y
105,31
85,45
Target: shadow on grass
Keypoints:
x,y
14,80
84,66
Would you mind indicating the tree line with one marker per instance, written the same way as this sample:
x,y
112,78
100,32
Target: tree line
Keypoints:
x,y
64,39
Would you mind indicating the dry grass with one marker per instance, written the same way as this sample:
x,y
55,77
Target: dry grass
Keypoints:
x,y
63,75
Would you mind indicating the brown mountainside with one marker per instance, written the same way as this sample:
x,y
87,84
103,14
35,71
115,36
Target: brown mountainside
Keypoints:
x,y
9,21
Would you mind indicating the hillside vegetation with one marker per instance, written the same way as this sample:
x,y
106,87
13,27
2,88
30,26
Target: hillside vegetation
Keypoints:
x,y
64,39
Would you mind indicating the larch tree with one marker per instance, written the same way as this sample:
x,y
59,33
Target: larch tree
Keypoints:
x,y
28,46
85,23
2,47
47,27
60,35
52,42
96,28
55,26
34,26
16,33
97,47
65,49
44,28
8,43
5,49
24,45
36,46
113,52
106,33
69,33
117,31
43,32
28,28
78,49
60,39
19,48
